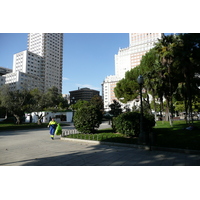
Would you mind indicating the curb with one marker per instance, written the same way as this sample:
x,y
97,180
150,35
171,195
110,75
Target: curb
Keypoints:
x,y
106,143
146,147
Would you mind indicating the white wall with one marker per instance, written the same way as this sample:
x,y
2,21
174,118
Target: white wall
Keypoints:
x,y
47,116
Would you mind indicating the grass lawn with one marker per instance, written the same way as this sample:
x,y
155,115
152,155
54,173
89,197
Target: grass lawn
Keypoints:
x,y
177,136
167,136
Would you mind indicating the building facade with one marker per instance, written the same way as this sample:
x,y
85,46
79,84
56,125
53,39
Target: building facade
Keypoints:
x,y
108,90
41,65
20,80
126,59
3,71
85,94
50,47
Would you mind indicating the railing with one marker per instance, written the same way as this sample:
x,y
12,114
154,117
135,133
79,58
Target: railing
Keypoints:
x,y
69,132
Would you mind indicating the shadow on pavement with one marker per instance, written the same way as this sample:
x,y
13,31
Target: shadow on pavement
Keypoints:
x,y
102,155
19,132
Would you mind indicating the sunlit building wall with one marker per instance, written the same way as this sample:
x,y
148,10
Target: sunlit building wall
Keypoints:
x,y
41,65
128,58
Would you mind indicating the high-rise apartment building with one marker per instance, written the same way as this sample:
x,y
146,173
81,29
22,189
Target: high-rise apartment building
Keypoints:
x,y
41,65
3,71
50,47
126,59
108,90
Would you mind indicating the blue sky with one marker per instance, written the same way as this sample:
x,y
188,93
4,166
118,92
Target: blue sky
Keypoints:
x,y
87,57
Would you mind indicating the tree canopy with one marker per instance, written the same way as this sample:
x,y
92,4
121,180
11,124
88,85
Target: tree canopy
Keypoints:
x,y
88,114
171,71
20,101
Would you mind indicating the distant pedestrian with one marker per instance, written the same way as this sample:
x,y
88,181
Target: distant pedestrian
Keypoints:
x,y
52,125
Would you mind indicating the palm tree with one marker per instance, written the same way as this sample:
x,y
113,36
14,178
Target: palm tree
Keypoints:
x,y
165,51
187,56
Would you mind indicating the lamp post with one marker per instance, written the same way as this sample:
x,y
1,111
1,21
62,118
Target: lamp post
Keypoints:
x,y
140,81
72,103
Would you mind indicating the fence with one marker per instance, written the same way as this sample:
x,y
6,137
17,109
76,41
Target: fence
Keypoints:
x,y
69,132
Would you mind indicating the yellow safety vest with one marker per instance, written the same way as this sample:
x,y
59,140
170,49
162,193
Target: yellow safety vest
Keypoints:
x,y
52,122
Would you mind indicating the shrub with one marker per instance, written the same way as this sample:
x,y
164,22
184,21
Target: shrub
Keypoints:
x,y
129,123
149,122
87,118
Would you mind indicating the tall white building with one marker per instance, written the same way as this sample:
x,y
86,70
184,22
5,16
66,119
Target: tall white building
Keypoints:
x,y
125,60
50,47
108,90
41,65
3,71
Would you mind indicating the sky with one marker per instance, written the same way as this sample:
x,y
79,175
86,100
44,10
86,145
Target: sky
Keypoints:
x,y
88,58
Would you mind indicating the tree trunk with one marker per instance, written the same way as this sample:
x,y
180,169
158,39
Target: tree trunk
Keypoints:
x,y
39,121
161,108
148,103
168,113
17,118
154,104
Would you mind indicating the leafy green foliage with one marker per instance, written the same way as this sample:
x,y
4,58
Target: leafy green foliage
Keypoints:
x,y
15,102
87,118
128,88
88,115
171,72
53,97
115,108
129,123
20,101
80,103
97,102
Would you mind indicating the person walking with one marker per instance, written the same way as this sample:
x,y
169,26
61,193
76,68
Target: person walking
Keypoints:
x,y
52,124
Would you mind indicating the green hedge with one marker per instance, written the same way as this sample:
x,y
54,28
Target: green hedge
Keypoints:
x,y
129,123
87,118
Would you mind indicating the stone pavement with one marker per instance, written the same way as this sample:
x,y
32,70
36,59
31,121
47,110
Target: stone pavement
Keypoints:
x,y
35,148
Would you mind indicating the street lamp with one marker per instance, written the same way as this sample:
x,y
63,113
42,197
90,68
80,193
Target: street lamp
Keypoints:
x,y
140,81
72,103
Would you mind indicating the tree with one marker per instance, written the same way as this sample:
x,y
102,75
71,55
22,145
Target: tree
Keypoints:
x,y
165,50
80,103
16,102
171,72
98,102
188,62
149,65
115,108
53,98
88,114
49,101
87,118
39,103
128,88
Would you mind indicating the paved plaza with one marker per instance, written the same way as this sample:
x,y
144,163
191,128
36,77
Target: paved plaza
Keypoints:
x,y
35,148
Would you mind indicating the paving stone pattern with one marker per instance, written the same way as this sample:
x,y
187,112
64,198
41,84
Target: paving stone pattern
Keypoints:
x,y
35,148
